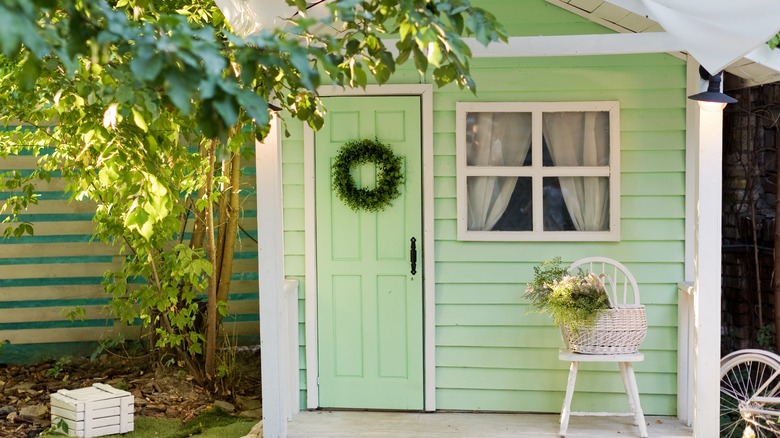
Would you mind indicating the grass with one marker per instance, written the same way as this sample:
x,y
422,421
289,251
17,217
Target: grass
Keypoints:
x,y
211,424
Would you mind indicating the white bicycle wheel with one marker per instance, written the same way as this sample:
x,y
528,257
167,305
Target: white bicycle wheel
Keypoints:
x,y
750,395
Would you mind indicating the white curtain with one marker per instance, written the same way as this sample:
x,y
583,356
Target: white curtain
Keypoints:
x,y
498,139
581,139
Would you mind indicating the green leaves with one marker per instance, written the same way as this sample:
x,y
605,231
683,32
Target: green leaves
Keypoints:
x,y
138,88
255,106
147,63
227,108
138,220
186,58
139,121
429,32
17,27
180,90
774,42
18,230
420,60
31,69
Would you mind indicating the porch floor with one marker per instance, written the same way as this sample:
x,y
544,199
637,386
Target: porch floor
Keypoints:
x,y
356,424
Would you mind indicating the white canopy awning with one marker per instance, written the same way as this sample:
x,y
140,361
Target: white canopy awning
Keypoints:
x,y
717,32
249,16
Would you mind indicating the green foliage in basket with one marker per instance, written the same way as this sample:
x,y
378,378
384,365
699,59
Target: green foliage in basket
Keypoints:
x,y
574,300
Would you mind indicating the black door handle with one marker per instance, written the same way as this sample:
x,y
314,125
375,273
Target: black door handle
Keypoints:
x,y
413,255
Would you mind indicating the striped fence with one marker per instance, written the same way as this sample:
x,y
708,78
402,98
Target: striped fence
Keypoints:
x,y
60,267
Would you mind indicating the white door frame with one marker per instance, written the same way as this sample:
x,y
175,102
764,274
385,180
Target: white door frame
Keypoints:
x,y
425,92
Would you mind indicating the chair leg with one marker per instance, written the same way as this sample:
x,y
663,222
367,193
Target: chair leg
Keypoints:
x,y
566,409
627,387
639,416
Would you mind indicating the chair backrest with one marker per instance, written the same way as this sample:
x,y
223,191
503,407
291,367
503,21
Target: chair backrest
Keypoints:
x,y
618,281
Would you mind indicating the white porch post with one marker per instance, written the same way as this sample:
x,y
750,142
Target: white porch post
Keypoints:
x,y
706,266
270,251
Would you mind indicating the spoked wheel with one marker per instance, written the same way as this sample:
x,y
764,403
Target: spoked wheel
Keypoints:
x,y
750,395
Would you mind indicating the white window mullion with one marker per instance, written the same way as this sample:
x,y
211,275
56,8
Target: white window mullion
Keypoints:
x,y
538,211
536,139
497,171
576,171
536,182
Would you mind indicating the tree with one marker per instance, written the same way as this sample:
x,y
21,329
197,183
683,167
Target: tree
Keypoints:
x,y
146,107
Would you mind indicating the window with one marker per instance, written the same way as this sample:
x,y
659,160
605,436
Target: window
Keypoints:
x,y
538,171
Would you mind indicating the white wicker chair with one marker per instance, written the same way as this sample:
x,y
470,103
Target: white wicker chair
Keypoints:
x,y
622,290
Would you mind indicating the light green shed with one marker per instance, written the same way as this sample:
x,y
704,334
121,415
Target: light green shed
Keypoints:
x,y
453,331
490,353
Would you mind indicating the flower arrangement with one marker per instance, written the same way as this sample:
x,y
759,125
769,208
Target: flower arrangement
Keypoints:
x,y
573,299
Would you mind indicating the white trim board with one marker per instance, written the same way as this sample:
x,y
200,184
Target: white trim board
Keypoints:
x,y
310,272
685,338
270,259
707,272
762,65
576,45
573,45
425,91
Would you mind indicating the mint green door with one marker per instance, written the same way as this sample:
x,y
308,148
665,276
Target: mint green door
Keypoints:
x,y
369,304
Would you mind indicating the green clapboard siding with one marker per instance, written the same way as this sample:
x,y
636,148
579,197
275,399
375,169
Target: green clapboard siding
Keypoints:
x,y
60,267
491,354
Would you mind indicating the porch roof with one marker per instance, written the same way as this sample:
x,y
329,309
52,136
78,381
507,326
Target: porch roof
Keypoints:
x,y
759,66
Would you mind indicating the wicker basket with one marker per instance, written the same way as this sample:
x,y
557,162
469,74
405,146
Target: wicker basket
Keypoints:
x,y
618,330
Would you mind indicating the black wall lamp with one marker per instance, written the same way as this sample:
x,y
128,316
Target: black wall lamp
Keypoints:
x,y
713,95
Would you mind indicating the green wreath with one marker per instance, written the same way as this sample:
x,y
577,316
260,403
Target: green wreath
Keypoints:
x,y
389,175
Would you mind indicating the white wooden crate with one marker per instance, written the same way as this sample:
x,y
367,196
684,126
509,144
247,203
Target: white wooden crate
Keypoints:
x,y
95,411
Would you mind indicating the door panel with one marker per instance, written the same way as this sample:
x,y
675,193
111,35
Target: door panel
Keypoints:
x,y
369,304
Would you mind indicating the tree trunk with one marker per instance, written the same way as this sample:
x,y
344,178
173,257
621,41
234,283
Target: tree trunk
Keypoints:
x,y
756,258
230,229
211,305
196,241
221,220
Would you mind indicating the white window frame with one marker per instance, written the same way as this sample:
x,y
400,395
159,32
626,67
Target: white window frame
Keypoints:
x,y
536,171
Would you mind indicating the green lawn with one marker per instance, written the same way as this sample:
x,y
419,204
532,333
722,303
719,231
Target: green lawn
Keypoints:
x,y
212,424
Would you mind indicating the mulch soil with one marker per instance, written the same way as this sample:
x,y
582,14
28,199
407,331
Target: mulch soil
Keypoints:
x,y
159,391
